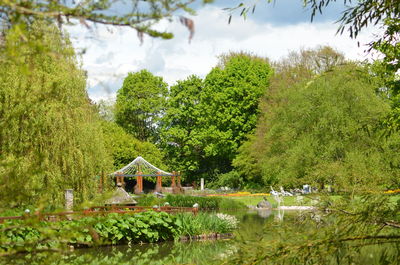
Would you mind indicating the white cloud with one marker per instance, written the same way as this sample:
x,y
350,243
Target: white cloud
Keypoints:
x,y
111,54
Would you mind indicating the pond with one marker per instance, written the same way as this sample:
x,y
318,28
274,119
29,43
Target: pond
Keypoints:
x,y
195,252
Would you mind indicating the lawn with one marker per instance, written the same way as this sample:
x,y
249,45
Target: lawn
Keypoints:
x,y
306,200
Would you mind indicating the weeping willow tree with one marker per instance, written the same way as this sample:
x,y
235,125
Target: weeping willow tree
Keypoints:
x,y
50,136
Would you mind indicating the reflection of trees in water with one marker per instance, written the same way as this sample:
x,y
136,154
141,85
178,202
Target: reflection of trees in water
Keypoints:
x,y
166,253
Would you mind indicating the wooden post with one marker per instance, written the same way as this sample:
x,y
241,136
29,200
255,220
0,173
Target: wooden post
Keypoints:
x,y
139,183
159,182
120,179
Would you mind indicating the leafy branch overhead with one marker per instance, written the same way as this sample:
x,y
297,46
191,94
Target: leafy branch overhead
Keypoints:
x,y
136,14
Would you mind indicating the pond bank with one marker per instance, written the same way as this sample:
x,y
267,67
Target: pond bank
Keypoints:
x,y
212,236
289,208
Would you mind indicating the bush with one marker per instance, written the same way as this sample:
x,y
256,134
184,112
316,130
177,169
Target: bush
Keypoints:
x,y
205,203
231,179
149,200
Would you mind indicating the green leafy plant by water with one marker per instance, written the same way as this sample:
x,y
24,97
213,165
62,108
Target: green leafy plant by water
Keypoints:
x,y
31,235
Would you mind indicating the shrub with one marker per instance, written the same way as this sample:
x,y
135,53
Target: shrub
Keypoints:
x,y
205,203
149,200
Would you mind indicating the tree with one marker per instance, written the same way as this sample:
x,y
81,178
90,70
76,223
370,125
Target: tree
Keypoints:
x,y
181,128
315,61
229,102
106,109
296,68
50,135
206,121
140,104
322,131
124,147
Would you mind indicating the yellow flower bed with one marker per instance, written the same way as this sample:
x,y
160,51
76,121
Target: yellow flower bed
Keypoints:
x,y
240,194
392,191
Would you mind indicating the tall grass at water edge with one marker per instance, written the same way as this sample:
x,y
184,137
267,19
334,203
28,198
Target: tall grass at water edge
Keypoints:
x,y
205,223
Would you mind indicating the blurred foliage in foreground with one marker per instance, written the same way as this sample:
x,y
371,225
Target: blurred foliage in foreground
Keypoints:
x,y
350,230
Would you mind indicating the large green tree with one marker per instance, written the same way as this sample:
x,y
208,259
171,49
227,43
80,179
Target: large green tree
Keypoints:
x,y
50,135
297,67
206,121
140,104
182,132
230,101
324,130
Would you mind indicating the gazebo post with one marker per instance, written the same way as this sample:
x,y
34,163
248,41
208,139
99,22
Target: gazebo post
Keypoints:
x,y
159,182
139,183
119,178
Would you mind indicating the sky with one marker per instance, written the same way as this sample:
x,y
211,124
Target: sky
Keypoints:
x,y
272,31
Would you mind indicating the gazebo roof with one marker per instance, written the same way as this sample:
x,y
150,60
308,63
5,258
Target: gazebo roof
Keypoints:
x,y
140,164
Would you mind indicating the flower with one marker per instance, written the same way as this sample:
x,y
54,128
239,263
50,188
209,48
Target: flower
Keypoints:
x,y
392,191
231,221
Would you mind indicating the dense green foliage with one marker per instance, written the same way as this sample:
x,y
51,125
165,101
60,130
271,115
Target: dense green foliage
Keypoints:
x,y
323,130
31,235
102,230
182,131
206,121
205,203
140,103
50,135
124,147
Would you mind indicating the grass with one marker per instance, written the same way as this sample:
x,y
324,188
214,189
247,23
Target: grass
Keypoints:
x,y
204,223
287,201
308,200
